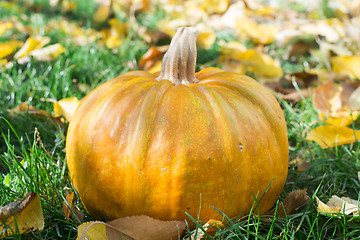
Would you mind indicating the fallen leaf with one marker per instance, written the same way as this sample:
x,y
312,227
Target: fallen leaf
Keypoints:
x,y
101,13
261,65
327,97
152,56
259,33
214,6
331,135
4,26
300,164
69,209
354,100
9,47
68,6
66,107
343,205
347,65
131,228
48,53
210,228
32,43
293,203
115,35
21,216
324,208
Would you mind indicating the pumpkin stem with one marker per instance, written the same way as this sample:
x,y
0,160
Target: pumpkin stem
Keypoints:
x,y
179,61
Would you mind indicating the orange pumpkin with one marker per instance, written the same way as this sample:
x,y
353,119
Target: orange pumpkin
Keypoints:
x,y
169,144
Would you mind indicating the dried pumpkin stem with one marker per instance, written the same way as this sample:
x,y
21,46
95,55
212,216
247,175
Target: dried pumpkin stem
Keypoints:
x,y
179,61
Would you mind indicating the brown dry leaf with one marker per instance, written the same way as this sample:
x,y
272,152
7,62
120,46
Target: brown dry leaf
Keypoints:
x,y
66,107
31,44
21,216
210,228
343,205
259,33
296,96
333,102
68,206
152,56
131,228
48,53
9,47
25,107
326,97
293,203
354,99
304,78
347,65
331,135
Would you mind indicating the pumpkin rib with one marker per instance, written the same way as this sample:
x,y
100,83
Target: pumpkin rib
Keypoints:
x,y
218,103
224,91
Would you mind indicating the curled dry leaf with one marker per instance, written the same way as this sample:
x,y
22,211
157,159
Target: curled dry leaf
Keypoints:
x,y
66,107
131,228
21,216
70,210
333,102
152,55
293,203
331,135
210,228
343,205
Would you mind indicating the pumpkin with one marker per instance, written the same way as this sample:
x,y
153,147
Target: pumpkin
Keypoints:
x,y
178,142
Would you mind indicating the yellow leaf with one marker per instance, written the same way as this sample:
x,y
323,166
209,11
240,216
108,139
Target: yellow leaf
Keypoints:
x,y
101,14
48,53
32,43
206,37
131,228
214,6
21,216
261,65
68,209
347,65
259,33
156,67
9,47
66,107
68,6
324,208
115,35
210,228
331,135
339,118
4,26
343,205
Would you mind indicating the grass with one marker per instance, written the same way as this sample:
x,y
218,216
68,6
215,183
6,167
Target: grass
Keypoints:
x,y
32,150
